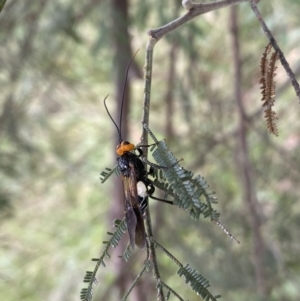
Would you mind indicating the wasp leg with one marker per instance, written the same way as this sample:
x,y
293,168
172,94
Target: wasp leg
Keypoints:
x,y
161,200
149,191
146,145
149,186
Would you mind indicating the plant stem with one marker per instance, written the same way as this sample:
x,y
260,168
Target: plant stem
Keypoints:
x,y
134,282
144,141
196,10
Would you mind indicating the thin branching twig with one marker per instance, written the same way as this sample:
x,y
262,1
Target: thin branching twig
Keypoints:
x,y
144,141
143,269
172,291
275,46
158,245
194,10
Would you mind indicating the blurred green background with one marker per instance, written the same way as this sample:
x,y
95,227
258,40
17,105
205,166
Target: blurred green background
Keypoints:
x,y
58,60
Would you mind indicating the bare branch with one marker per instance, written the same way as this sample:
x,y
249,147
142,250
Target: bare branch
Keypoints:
x,y
147,90
283,61
134,282
144,140
195,9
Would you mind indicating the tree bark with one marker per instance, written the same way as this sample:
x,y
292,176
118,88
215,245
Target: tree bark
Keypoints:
x,y
244,164
122,56
121,46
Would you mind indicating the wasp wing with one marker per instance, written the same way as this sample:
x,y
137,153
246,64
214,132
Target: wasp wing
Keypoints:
x,y
133,214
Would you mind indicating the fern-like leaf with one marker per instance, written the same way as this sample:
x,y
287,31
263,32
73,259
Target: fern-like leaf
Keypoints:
x,y
186,189
105,174
197,282
268,68
86,294
127,253
182,185
264,70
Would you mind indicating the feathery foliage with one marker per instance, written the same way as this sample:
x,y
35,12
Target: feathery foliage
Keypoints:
x,y
52,135
187,192
182,185
86,294
127,253
268,68
196,281
105,174
186,189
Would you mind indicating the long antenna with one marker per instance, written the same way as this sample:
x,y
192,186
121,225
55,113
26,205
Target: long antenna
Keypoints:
x,y
111,117
123,96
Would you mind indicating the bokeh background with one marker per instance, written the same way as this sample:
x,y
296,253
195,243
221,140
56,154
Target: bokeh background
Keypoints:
x,y
58,60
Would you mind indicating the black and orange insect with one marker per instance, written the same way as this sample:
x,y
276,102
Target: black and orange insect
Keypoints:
x,y
137,185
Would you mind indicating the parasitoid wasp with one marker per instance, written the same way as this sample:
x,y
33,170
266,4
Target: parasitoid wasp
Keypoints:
x,y
137,186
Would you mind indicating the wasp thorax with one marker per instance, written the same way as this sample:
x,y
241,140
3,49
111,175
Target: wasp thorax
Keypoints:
x,y
124,147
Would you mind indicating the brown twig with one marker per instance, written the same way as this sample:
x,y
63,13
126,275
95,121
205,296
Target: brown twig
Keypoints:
x,y
268,68
194,10
244,162
273,42
144,140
